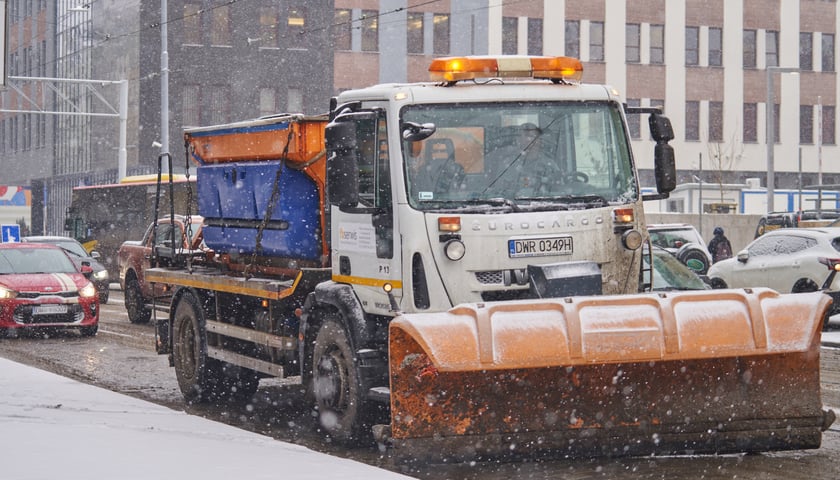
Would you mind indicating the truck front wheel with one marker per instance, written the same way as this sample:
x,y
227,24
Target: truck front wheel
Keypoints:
x,y
134,303
335,384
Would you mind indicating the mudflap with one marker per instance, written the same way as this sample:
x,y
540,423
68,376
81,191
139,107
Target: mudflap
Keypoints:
x,y
675,373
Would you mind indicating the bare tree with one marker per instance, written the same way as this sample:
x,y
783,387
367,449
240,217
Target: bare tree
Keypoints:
x,y
723,158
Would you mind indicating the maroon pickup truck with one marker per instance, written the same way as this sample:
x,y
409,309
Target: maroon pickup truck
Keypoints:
x,y
134,257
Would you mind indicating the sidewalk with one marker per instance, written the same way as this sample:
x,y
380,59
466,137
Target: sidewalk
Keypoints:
x,y
54,427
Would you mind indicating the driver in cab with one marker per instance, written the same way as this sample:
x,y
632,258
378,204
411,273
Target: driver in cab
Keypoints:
x,y
525,168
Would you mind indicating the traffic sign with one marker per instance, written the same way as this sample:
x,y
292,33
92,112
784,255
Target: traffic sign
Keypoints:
x,y
11,233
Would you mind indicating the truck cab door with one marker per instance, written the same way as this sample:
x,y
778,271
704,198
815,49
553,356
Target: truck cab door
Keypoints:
x,y
363,234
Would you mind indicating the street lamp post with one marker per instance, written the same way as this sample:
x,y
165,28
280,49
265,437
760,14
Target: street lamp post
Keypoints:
x,y
771,131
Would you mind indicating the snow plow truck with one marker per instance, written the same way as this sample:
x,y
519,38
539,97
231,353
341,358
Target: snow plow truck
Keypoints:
x,y
464,255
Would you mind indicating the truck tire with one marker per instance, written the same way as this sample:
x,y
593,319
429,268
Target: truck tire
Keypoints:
x,y
135,305
336,388
201,378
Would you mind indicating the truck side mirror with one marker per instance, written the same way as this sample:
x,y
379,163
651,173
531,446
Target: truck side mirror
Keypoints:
x,y
665,170
342,164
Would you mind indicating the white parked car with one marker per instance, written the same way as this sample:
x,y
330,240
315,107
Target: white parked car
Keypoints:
x,y
684,242
788,260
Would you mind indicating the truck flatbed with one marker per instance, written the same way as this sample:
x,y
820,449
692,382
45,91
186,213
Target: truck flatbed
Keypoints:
x,y
211,278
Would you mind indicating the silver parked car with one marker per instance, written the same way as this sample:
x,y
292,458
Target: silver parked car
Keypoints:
x,y
788,260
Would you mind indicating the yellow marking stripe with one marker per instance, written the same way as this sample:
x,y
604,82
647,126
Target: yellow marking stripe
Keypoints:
x,y
367,282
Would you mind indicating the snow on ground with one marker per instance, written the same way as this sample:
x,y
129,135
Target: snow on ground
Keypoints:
x,y
53,427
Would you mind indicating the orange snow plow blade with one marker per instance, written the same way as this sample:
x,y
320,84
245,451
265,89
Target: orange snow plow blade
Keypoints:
x,y
691,372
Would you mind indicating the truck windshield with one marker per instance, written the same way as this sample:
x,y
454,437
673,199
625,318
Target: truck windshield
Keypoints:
x,y
542,155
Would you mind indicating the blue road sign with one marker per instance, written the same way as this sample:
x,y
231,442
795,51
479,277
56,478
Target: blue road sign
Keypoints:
x,y
11,233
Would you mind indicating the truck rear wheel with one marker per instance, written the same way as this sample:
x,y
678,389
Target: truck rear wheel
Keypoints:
x,y
134,303
335,384
201,378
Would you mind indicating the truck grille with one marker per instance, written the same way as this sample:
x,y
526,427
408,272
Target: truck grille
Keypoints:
x,y
23,314
493,277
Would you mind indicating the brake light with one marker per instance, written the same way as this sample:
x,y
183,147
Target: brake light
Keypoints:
x,y
623,215
831,263
449,224
453,69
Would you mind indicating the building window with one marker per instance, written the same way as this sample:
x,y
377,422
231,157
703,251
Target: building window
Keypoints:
x,y
715,47
220,32
828,125
806,51
750,123
440,43
827,52
414,32
657,44
806,124
692,46
535,36
269,27
572,38
749,48
342,28
692,121
268,101
192,24
771,54
370,31
294,100
596,41
715,121
296,27
191,109
634,123
219,104
510,32
632,43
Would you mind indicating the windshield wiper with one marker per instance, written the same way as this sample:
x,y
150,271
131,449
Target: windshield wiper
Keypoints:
x,y
588,199
495,201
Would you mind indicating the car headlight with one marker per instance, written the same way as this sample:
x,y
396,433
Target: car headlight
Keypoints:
x,y
101,275
6,293
87,291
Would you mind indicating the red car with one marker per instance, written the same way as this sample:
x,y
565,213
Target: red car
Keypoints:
x,y
40,287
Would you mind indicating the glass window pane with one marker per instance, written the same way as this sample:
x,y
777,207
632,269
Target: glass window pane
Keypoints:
x,y
414,32
370,30
657,44
510,30
715,47
827,52
440,43
573,38
749,48
692,45
632,43
806,51
342,24
596,41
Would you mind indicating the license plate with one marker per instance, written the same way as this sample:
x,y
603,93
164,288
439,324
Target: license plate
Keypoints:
x,y
539,246
49,309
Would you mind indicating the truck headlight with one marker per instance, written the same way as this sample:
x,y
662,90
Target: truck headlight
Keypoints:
x,y
631,239
101,275
454,250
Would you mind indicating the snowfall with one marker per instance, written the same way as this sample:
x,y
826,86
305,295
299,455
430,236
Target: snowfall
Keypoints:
x,y
52,427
